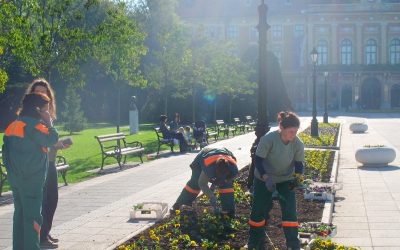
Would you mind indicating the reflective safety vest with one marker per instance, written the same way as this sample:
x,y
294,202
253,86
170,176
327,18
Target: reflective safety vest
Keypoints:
x,y
26,142
208,158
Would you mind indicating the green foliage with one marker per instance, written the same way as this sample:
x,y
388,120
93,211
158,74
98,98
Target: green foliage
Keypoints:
x,y
118,46
317,162
73,117
328,244
327,134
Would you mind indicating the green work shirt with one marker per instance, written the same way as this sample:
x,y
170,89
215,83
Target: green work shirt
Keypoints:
x,y
278,157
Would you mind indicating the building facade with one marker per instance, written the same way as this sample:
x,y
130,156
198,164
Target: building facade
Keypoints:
x,y
358,44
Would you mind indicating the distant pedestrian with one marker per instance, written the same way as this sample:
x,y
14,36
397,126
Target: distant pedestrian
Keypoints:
x,y
218,167
172,134
279,156
26,142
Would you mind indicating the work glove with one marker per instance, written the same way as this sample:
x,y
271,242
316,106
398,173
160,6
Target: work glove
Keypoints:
x,y
298,167
297,182
270,185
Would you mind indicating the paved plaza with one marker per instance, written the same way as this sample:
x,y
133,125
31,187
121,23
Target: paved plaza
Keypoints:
x,y
95,214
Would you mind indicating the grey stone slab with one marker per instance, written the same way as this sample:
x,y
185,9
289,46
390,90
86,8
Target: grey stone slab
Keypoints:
x,y
386,242
353,233
357,241
385,233
353,219
384,226
351,226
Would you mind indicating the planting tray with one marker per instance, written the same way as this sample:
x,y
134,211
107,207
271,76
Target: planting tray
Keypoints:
x,y
332,232
148,210
318,196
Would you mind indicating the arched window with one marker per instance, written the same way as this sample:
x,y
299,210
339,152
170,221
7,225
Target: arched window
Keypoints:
x,y
395,51
370,52
345,51
322,50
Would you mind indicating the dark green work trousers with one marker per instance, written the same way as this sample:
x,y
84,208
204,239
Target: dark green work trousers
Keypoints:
x,y
262,204
27,217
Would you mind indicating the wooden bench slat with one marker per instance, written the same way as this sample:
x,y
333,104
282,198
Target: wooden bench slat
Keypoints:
x,y
119,149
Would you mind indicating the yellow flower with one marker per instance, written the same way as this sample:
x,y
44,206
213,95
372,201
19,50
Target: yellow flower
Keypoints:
x,y
177,225
193,244
177,212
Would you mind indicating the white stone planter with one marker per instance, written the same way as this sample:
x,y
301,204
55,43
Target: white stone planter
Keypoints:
x,y
358,127
375,156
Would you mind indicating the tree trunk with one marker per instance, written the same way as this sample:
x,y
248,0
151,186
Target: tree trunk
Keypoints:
x,y
230,108
215,108
193,105
166,105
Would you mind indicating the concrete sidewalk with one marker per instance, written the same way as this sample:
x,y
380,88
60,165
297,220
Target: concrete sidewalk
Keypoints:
x,y
95,214
367,210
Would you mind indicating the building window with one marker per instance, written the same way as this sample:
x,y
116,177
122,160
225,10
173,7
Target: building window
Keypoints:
x,y
278,53
370,52
277,32
232,32
322,50
298,30
395,51
345,51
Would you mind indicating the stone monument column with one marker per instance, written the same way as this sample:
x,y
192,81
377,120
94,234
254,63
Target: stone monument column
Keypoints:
x,y
133,117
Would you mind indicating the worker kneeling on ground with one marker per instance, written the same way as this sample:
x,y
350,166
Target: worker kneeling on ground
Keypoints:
x,y
217,166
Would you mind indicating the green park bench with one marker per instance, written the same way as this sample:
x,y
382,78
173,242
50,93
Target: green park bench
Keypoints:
x,y
240,126
116,146
224,128
163,141
250,122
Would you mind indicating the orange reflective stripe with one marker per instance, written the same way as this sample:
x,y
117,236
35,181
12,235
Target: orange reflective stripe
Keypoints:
x,y
42,128
191,190
257,224
290,224
211,159
226,190
36,227
16,128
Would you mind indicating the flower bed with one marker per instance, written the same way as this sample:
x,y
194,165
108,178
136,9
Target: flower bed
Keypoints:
x,y
197,228
321,243
328,135
318,165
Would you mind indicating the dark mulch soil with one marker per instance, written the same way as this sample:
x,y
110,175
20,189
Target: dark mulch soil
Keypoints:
x,y
307,211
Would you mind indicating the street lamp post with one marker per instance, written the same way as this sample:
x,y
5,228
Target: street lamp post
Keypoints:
x,y
314,121
326,98
262,126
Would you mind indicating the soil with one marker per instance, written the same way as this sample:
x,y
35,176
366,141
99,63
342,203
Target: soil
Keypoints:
x,y
308,211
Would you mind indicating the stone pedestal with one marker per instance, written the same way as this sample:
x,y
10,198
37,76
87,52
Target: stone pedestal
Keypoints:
x,y
133,121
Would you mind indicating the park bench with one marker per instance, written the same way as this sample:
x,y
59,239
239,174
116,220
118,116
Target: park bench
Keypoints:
x,y
212,132
240,126
250,122
61,167
224,128
163,141
116,146
3,175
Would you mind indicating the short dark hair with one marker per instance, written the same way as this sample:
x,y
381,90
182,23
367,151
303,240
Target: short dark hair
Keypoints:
x,y
288,119
31,103
163,118
222,171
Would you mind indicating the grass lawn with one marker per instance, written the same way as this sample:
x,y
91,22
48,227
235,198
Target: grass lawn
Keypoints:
x,y
85,154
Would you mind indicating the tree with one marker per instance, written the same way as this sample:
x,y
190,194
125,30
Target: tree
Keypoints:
x,y
73,116
118,47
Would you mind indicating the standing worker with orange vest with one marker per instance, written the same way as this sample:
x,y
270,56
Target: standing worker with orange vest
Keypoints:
x,y
26,142
217,166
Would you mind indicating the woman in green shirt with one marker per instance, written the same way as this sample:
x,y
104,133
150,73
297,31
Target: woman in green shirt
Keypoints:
x,y
279,155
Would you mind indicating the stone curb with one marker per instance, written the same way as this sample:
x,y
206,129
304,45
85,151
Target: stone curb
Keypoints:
x,y
329,205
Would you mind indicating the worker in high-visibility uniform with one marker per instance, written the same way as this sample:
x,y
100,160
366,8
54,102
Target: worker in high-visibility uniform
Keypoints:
x,y
279,157
216,166
26,141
